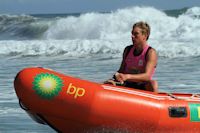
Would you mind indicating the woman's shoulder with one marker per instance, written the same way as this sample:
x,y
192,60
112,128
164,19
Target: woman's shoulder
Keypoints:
x,y
128,47
152,50
127,50
151,53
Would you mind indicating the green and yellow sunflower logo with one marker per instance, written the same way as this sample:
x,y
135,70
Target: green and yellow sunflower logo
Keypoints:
x,y
47,85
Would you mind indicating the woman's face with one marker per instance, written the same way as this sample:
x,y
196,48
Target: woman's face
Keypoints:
x,y
137,36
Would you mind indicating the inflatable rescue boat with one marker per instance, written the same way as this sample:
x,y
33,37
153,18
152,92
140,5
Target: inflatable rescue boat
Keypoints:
x,y
73,105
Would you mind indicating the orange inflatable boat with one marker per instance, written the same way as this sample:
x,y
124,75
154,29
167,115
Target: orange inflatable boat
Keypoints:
x,y
73,105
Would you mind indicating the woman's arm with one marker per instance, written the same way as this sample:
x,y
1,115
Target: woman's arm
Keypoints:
x,y
151,63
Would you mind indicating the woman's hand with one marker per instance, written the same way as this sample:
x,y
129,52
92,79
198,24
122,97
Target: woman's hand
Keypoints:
x,y
121,77
110,81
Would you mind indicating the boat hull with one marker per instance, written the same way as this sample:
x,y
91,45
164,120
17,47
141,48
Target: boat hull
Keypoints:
x,y
70,104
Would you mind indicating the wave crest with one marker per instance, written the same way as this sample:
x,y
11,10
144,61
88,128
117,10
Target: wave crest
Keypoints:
x,y
100,33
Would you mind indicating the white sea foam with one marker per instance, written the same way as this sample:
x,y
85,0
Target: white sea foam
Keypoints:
x,y
83,48
109,33
9,111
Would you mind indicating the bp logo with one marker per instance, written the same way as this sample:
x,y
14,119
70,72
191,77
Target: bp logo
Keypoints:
x,y
47,85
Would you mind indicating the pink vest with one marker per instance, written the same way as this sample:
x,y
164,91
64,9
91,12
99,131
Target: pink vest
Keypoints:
x,y
136,64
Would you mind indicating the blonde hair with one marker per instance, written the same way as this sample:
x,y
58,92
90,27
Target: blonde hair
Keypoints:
x,y
144,27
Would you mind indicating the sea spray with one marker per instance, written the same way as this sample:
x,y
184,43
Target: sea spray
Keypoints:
x,y
95,33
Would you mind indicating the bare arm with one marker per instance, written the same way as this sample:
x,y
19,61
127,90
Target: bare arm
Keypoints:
x,y
151,63
122,66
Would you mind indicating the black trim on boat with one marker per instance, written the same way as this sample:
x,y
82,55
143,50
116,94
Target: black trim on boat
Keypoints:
x,y
22,106
47,122
177,112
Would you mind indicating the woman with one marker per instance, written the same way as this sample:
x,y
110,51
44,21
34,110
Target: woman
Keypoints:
x,y
139,61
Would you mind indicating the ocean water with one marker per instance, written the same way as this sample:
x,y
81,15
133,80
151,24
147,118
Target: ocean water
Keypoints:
x,y
90,46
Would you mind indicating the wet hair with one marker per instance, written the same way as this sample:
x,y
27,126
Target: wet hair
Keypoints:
x,y
144,27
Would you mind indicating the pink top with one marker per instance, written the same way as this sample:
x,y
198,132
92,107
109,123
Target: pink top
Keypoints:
x,y
136,64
